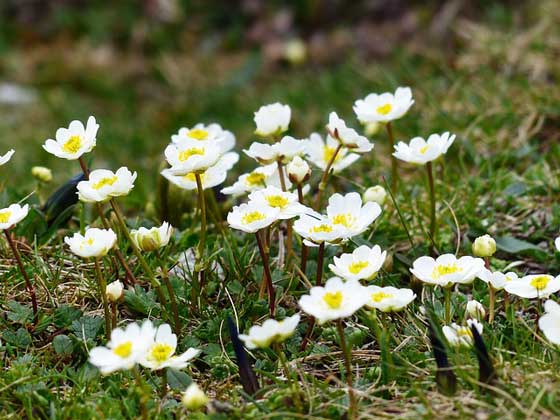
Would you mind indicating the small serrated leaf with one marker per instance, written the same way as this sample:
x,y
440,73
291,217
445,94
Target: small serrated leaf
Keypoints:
x,y
64,315
87,326
19,313
21,338
63,345
178,380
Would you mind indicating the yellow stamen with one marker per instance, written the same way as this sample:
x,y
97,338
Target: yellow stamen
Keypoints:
x,y
424,149
379,296
185,154
124,349
90,241
192,177
345,220
198,134
357,266
72,145
277,201
321,228
328,153
384,109
160,352
255,178
333,300
251,217
464,331
442,270
5,216
540,282
104,182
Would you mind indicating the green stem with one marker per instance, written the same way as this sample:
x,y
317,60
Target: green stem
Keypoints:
x,y
429,169
348,367
163,390
325,177
294,385
447,295
198,276
492,304
394,167
143,396
281,175
102,283
320,260
171,292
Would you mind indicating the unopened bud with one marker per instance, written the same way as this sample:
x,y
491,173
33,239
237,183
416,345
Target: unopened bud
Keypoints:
x,y
194,398
476,310
114,291
298,170
41,173
484,246
375,194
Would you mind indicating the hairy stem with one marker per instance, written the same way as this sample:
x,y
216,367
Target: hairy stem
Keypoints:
x,y
267,275
102,283
348,367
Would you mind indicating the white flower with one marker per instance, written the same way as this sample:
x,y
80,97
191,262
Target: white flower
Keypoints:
x,y
250,217
457,335
376,194
347,136
388,299
11,215
534,286
72,142
194,398
285,202
124,349
103,184
283,151
6,157
316,229
150,239
271,331
160,352
212,133
272,119
484,246
557,243
114,290
320,154
191,156
94,243
549,323
475,309
298,170
496,279
255,180
336,300
447,269
420,151
346,212
385,107
362,264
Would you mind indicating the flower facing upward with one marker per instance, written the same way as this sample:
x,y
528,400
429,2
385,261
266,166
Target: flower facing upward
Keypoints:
x,y
484,246
6,157
283,151
114,291
151,239
124,349
191,156
346,212
103,184
549,323
461,336
420,151
362,264
316,229
347,136
255,180
285,202
534,286
72,142
385,107
447,269
272,119
194,398
212,133
160,351
251,217
271,331
496,279
12,215
320,153
388,299
336,300
94,243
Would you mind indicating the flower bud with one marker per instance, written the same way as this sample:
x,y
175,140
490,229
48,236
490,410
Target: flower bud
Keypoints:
x,y
151,239
114,291
298,170
484,246
295,51
194,398
476,310
41,173
371,128
375,194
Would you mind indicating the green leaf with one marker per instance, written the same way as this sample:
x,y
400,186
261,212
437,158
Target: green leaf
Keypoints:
x,y
21,338
178,380
62,345
87,326
141,301
513,246
64,315
19,313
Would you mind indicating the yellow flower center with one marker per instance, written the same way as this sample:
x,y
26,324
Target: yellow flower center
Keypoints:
x,y
160,352
251,217
5,216
384,109
379,296
344,219
328,153
90,241
321,228
357,266
333,300
191,176
540,282
198,134
72,145
185,154
424,149
277,201
123,350
255,178
103,182
442,270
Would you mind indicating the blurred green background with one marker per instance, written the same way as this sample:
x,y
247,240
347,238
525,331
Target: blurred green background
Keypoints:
x,y
487,70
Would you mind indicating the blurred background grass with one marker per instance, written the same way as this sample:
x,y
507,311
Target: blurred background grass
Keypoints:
x,y
487,70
